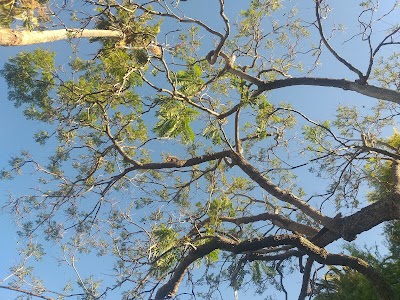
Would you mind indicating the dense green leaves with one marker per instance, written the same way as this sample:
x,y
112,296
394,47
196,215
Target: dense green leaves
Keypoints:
x,y
30,78
175,119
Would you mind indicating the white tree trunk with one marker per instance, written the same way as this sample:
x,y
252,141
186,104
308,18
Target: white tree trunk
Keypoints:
x,y
10,37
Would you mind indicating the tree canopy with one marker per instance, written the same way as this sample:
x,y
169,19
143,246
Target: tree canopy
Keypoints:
x,y
203,146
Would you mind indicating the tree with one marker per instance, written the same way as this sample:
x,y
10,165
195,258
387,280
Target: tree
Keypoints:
x,y
172,154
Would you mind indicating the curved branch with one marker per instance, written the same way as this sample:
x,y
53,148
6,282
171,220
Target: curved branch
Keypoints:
x,y
228,112
318,254
381,44
380,151
327,45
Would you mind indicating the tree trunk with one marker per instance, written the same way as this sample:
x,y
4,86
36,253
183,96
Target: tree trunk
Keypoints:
x,y
10,37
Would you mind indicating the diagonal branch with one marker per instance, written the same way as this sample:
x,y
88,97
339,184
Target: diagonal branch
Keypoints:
x,y
176,163
363,220
279,193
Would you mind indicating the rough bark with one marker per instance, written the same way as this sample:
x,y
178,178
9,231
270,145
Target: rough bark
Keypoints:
x,y
10,37
180,163
349,227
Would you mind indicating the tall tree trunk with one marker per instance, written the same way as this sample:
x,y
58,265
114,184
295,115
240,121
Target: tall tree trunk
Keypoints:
x,y
10,37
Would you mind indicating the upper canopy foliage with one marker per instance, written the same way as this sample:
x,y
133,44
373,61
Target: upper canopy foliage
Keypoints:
x,y
179,155
31,13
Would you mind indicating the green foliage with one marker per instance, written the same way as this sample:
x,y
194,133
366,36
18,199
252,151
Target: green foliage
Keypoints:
x,y
254,14
212,131
213,257
165,237
381,179
32,13
91,287
387,71
165,248
138,29
190,81
6,16
347,285
174,120
392,230
260,271
220,207
30,79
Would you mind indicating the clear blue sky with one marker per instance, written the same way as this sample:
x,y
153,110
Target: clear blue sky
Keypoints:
x,y
16,134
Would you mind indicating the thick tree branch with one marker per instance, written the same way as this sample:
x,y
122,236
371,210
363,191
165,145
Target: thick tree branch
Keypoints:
x,y
364,89
175,163
357,86
275,257
363,220
181,163
378,150
10,37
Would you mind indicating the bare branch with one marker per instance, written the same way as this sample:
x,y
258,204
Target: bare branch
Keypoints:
x,y
326,43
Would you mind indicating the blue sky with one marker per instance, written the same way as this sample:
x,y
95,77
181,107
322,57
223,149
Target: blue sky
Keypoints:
x,y
16,134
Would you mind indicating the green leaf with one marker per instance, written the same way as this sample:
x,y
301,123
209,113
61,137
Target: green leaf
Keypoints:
x,y
174,120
